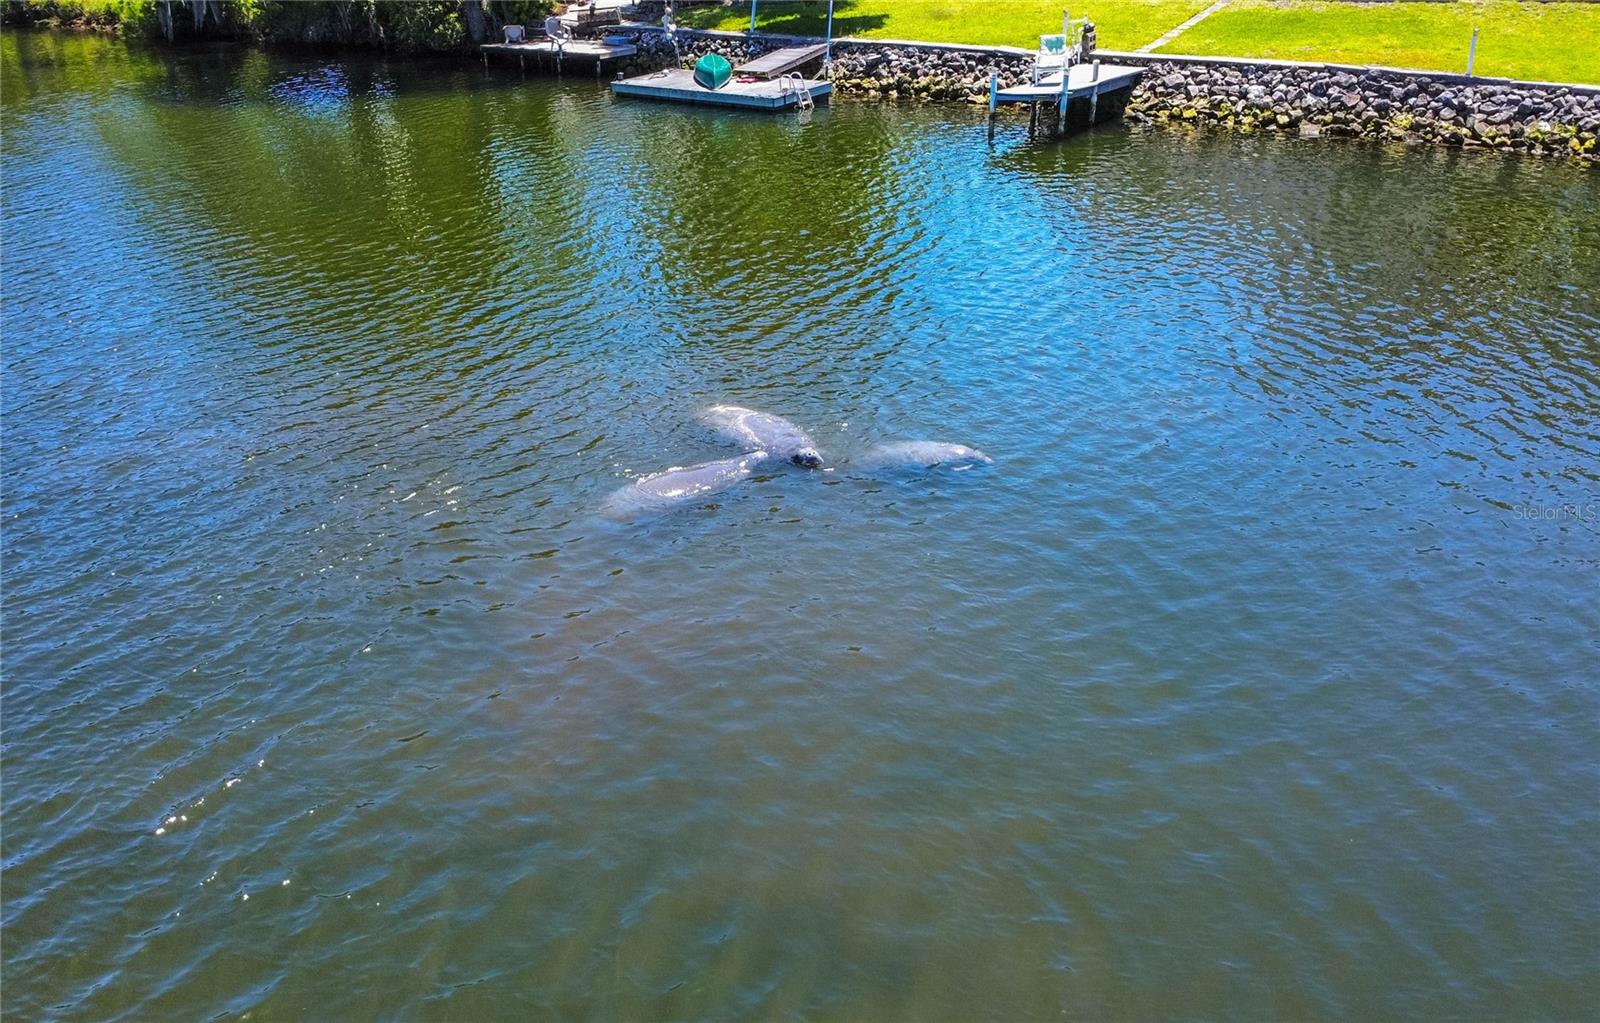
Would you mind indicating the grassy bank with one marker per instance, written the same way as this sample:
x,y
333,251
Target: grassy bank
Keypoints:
x,y
1121,24
1557,42
1547,41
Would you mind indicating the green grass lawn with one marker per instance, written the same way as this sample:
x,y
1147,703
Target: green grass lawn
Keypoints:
x,y
1120,24
1557,42
1550,41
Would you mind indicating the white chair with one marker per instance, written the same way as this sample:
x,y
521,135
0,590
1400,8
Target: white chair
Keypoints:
x,y
1052,53
554,28
516,34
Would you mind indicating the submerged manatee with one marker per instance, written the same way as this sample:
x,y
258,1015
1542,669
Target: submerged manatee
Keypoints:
x,y
924,454
764,431
663,491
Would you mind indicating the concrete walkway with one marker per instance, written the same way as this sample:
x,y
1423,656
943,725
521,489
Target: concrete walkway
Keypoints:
x,y
1181,29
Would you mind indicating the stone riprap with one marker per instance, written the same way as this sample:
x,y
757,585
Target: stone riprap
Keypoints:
x,y
1372,103
1305,99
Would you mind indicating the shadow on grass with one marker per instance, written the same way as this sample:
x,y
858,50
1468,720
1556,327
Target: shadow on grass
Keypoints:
x,y
787,17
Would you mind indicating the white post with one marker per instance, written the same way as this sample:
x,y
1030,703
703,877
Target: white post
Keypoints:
x,y
994,98
1064,99
1472,52
1094,97
752,17
827,55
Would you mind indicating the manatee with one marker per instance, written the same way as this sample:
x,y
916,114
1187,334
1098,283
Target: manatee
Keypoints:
x,y
665,490
763,431
924,454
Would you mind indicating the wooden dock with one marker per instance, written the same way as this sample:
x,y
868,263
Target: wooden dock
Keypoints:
x,y
678,85
1088,95
586,50
1081,84
771,65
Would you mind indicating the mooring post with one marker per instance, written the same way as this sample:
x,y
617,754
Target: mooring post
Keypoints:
x,y
994,98
1065,98
1094,95
522,63
1472,52
827,53
1033,107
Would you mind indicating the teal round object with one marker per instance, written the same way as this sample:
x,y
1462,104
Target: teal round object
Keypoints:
x,y
713,71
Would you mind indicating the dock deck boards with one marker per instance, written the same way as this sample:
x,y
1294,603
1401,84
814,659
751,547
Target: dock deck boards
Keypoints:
x,y
588,49
679,85
771,65
1081,83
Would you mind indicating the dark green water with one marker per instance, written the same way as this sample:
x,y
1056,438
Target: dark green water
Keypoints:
x,y
1255,680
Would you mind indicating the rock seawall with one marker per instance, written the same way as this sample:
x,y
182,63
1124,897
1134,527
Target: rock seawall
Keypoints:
x,y
1371,103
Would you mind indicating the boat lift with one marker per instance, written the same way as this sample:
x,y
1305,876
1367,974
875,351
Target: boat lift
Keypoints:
x,y
1064,69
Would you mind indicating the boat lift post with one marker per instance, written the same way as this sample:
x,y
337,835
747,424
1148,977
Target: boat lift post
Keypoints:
x,y
1094,95
752,17
994,98
1065,98
1033,108
827,55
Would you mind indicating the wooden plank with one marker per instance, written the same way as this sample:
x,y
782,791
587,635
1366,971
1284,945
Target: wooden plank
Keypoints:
x,y
574,48
771,65
1081,83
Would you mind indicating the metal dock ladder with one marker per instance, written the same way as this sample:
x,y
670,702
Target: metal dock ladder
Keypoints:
x,y
794,84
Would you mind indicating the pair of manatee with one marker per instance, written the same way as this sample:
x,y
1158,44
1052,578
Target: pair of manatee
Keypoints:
x,y
765,436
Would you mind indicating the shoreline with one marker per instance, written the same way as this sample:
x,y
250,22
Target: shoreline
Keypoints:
x,y
1307,100
1246,95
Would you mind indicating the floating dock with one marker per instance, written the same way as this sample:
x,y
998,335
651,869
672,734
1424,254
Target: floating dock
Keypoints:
x,y
678,85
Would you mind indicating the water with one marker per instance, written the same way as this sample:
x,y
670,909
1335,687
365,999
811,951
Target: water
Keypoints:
x,y
1255,679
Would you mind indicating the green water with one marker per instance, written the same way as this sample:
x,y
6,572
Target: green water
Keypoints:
x,y
1256,678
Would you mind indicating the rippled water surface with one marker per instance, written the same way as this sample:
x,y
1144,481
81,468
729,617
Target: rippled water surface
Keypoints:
x,y
1255,679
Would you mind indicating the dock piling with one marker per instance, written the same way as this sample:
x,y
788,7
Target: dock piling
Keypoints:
x,y
994,98
1063,100
1094,94
1033,108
